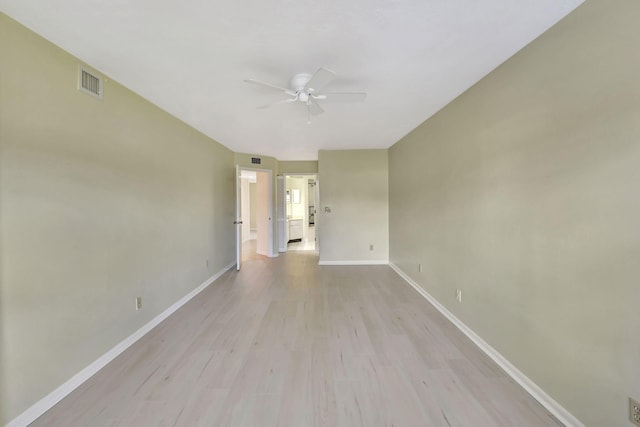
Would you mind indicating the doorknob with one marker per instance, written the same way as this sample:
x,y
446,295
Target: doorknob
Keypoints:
x,y
237,222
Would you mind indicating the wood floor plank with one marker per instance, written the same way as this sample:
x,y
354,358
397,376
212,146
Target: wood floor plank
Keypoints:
x,y
285,342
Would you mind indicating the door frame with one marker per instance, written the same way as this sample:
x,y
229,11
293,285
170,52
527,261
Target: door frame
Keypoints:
x,y
237,222
270,237
282,205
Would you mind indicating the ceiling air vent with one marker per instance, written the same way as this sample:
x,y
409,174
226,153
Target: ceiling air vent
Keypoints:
x,y
89,82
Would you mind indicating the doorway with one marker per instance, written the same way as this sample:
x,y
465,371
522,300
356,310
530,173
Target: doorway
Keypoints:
x,y
254,214
300,204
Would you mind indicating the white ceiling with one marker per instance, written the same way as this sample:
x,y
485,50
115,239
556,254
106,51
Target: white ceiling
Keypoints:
x,y
190,57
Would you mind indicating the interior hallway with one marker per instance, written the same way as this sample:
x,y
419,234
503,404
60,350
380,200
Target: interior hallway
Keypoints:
x,y
287,342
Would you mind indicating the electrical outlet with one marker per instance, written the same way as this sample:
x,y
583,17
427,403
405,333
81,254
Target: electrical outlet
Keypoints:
x,y
138,303
419,268
370,247
459,295
634,411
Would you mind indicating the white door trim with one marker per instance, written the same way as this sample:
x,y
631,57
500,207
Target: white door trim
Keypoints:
x,y
238,220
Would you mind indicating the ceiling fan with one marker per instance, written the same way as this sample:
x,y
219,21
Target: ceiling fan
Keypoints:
x,y
307,89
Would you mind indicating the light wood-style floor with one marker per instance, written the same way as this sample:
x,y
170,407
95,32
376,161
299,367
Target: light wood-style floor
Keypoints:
x,y
285,342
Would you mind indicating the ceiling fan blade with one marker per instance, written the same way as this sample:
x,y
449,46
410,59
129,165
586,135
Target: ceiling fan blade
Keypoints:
x,y
269,85
342,96
313,107
284,101
319,80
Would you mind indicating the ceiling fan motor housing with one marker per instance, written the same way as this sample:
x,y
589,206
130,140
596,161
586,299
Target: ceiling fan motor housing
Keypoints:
x,y
299,81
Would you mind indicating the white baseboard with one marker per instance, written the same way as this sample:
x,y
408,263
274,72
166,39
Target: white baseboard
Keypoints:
x,y
525,382
50,400
356,262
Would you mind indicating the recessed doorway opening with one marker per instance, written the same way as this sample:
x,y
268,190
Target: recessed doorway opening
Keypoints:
x,y
254,214
301,196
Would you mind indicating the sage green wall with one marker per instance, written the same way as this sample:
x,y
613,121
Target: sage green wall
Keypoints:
x,y
354,183
102,201
267,163
523,192
297,167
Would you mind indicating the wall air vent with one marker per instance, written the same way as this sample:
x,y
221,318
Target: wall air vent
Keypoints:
x,y
256,160
89,82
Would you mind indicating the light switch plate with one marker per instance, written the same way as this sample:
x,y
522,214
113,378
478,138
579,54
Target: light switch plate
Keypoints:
x,y
634,411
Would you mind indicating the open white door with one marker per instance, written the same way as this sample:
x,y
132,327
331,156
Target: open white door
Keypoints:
x,y
316,216
264,215
281,209
238,220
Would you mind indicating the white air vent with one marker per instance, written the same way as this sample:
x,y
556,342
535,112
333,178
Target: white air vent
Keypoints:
x,y
89,82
